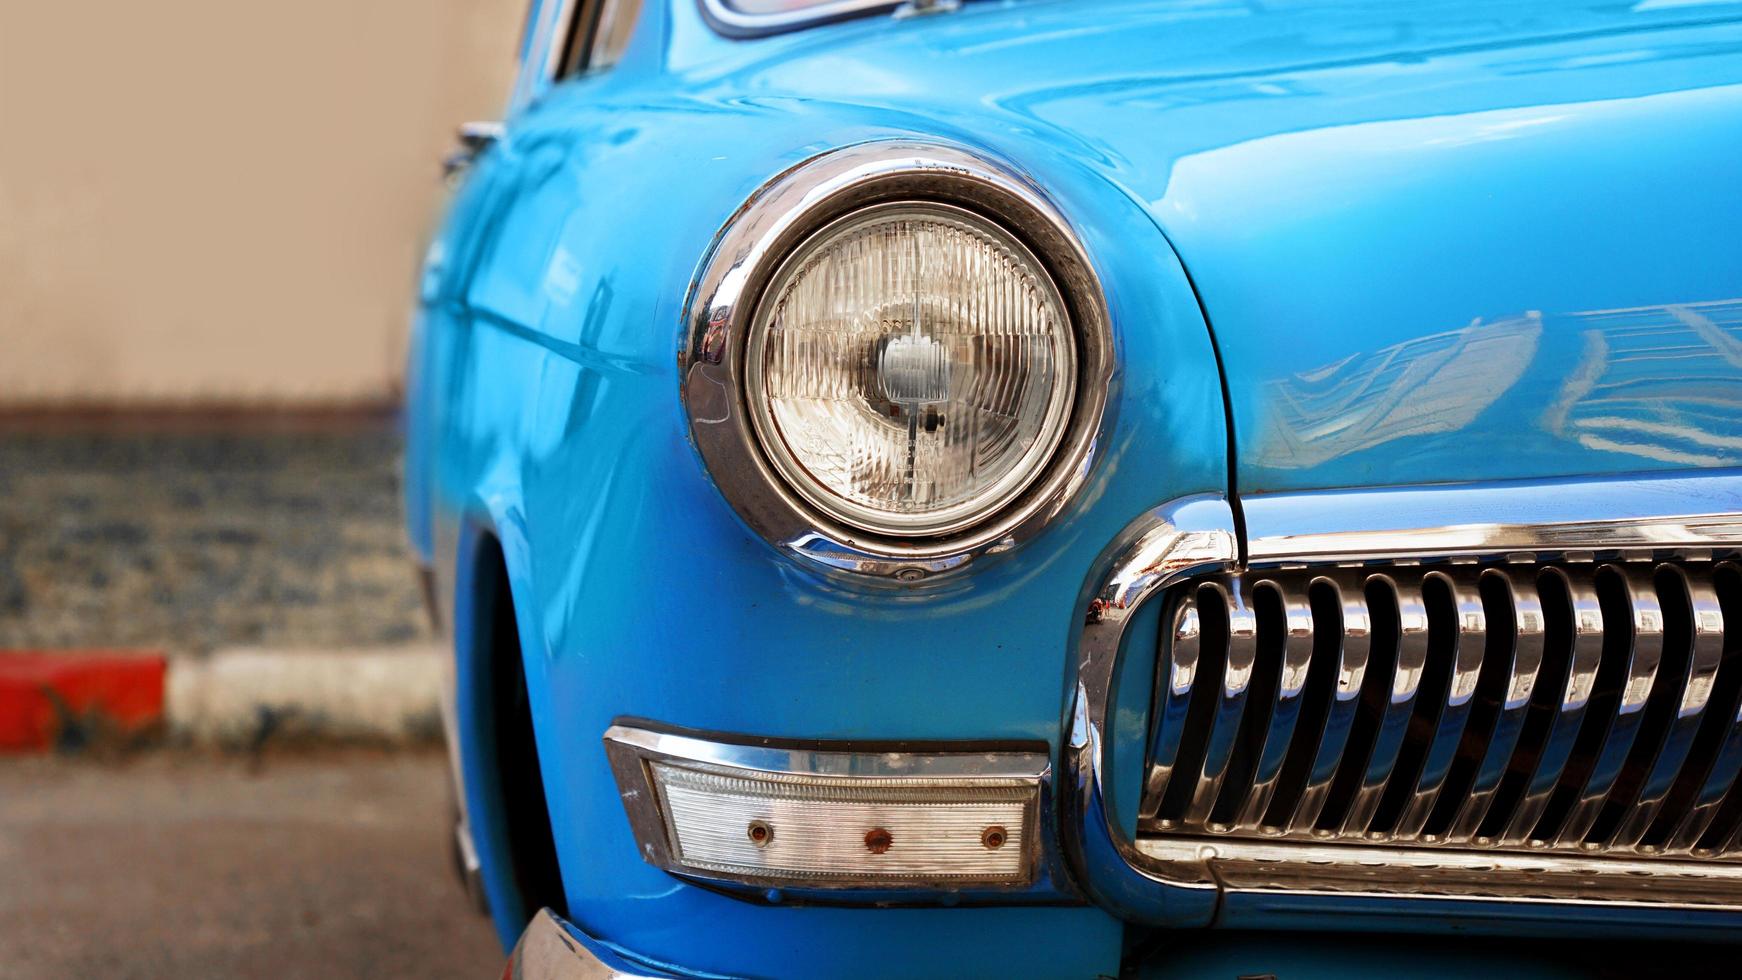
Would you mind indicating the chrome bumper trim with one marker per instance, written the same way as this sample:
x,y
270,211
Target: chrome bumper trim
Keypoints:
x,y
469,869
1186,881
549,949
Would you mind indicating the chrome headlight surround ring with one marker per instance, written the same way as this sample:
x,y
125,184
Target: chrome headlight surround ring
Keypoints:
x,y
756,241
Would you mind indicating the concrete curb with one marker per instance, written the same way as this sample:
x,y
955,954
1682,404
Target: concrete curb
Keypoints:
x,y
231,698
246,696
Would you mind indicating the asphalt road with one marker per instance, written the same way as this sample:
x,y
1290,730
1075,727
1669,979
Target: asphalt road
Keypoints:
x,y
333,865
175,865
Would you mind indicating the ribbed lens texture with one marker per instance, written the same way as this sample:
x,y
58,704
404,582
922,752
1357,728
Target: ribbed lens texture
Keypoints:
x,y
915,370
817,828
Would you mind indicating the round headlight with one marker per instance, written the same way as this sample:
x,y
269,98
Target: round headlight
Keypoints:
x,y
897,360
910,369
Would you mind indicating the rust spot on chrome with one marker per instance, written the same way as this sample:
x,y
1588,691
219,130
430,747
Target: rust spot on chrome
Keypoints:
x,y
1097,610
877,840
993,837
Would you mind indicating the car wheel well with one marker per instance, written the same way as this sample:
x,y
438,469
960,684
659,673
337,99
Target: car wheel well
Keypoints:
x,y
512,779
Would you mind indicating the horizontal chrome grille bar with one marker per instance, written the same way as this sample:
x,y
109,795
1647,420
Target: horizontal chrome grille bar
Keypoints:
x,y
1530,706
1304,867
1684,514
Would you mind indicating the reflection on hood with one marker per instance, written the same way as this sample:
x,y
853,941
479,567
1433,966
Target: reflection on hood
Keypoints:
x,y
1659,383
1436,383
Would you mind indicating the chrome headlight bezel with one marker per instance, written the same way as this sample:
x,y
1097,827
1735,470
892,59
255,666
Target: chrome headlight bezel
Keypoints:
x,y
745,258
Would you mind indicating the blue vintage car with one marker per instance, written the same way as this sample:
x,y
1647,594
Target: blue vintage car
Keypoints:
x,y
1075,489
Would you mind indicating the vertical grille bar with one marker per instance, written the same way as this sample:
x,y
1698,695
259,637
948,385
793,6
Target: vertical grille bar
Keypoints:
x,y
1211,603
1349,607
1526,640
1583,616
1637,599
1231,705
1724,719
1702,631
1409,617
1294,656
1178,672
1730,844
1466,629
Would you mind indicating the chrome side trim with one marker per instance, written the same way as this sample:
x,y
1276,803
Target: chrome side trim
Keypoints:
x,y
1177,540
1194,880
635,749
746,253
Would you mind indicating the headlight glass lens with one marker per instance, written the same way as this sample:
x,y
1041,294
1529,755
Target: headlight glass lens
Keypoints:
x,y
911,369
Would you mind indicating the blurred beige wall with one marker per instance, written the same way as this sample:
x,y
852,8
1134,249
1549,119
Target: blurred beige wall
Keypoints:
x,y
223,201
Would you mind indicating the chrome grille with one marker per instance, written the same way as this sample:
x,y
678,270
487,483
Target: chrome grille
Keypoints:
x,y
1532,706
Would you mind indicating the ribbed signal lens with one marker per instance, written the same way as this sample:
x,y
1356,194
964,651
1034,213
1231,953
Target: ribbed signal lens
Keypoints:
x,y
911,369
746,824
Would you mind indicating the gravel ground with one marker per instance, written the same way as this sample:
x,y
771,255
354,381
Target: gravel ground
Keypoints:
x,y
189,538
178,865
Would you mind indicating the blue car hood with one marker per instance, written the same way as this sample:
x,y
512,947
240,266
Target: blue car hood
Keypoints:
x,y
1434,241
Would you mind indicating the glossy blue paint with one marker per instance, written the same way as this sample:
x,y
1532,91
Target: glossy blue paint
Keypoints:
x,y
1404,221
1415,227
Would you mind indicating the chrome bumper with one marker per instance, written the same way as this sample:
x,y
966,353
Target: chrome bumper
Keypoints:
x,y
551,949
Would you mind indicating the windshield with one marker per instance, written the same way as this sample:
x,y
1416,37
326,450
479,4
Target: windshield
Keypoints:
x,y
749,18
774,6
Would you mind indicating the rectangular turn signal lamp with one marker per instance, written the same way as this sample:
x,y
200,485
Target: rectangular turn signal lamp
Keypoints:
x,y
801,817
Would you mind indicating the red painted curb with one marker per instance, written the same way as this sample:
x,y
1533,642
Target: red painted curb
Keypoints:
x,y
51,696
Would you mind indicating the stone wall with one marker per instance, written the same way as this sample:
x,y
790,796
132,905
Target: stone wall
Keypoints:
x,y
195,536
